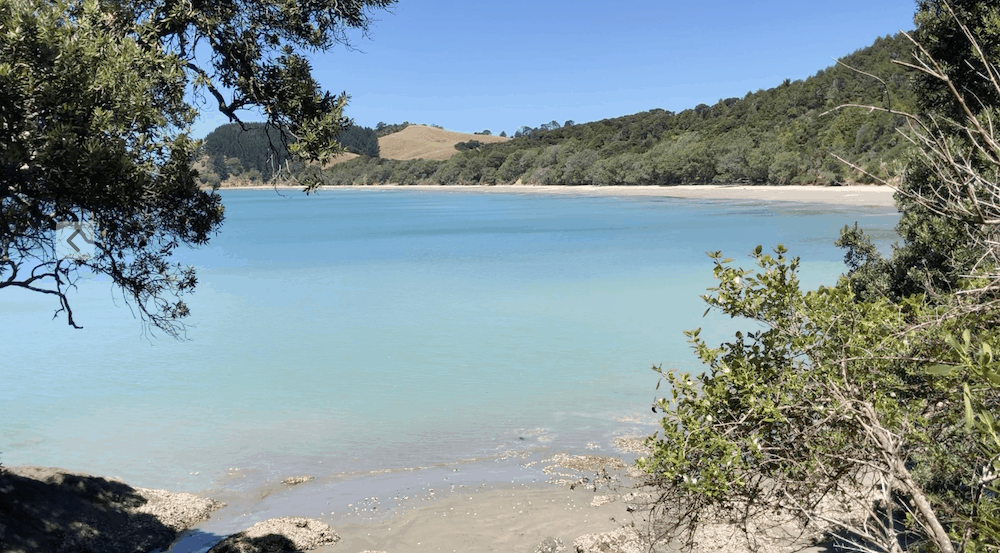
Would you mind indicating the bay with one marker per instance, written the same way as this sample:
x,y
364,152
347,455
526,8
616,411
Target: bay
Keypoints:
x,y
371,330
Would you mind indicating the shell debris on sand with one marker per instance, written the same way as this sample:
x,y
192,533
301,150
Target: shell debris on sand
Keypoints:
x,y
584,462
632,444
599,500
622,540
597,466
293,480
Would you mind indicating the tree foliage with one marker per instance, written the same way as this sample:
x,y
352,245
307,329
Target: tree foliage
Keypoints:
x,y
864,411
383,129
94,120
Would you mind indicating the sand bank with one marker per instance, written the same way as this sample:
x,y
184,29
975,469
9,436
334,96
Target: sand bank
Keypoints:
x,y
868,196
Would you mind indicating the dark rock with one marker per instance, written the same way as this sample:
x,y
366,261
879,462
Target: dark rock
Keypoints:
x,y
52,510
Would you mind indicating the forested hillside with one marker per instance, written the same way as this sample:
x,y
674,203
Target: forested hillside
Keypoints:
x,y
256,153
784,135
252,151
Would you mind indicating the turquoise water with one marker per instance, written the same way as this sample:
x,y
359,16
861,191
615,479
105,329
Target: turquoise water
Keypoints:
x,y
382,329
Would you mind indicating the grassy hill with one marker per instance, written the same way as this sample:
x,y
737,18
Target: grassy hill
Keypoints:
x,y
422,142
783,135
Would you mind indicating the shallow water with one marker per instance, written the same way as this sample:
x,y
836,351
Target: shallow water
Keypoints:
x,y
377,330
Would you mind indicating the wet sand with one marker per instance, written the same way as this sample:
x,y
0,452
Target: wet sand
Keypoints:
x,y
869,196
512,518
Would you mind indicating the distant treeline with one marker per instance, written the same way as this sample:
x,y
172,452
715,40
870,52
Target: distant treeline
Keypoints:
x,y
256,152
784,135
360,140
384,129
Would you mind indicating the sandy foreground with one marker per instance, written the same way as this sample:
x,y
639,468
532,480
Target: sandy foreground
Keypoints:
x,y
51,510
867,196
516,518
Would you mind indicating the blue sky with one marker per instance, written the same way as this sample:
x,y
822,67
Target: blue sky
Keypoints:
x,y
474,65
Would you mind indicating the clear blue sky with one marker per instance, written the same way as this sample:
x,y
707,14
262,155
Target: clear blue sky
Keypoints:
x,y
474,65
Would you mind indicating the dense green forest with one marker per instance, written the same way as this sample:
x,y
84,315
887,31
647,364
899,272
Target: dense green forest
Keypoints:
x,y
256,152
252,151
784,135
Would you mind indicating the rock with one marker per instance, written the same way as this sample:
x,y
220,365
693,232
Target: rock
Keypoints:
x,y
622,540
178,511
279,535
48,509
550,545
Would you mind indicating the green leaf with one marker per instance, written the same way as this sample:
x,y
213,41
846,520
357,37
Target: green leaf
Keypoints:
x,y
967,397
940,370
986,355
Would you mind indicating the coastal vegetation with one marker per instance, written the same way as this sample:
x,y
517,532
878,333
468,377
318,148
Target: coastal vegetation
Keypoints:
x,y
864,411
784,135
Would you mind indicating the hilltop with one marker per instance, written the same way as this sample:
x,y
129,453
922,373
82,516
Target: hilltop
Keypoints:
x,y
423,142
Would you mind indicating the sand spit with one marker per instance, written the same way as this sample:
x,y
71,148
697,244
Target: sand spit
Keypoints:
x,y
866,196
869,196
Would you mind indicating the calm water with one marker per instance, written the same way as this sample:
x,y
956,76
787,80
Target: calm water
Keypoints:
x,y
364,329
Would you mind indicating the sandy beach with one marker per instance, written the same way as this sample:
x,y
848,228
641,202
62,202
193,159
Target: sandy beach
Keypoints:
x,y
867,196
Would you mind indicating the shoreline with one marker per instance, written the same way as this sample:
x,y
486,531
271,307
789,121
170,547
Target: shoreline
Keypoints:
x,y
598,509
476,508
852,195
